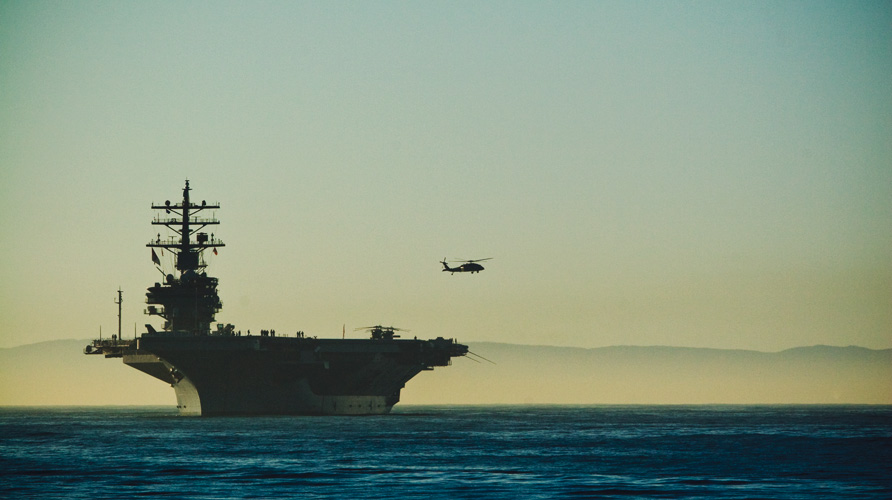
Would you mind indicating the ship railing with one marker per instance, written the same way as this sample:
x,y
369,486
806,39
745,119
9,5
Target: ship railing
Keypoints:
x,y
179,206
172,241
192,220
113,347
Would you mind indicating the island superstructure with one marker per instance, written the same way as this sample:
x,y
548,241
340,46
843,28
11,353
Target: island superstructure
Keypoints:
x,y
215,370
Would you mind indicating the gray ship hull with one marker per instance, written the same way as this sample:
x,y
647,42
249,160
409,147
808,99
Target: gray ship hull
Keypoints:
x,y
217,375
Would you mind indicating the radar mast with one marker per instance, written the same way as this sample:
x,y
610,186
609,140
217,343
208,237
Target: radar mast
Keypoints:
x,y
189,302
184,222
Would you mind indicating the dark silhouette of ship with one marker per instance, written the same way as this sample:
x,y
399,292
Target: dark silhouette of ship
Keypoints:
x,y
222,372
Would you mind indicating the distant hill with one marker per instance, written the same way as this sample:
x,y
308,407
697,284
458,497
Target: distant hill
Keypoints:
x,y
57,373
659,375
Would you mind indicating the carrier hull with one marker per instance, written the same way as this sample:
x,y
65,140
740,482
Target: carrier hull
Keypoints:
x,y
286,376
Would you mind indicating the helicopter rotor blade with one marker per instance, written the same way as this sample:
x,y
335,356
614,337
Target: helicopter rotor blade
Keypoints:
x,y
369,328
386,328
470,261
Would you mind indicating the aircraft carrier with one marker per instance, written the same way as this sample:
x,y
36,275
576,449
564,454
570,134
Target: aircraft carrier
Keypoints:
x,y
220,371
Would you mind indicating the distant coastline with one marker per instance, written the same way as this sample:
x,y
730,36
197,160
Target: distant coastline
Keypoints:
x,y
55,373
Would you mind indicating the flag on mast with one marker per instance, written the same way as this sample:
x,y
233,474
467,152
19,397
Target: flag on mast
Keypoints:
x,y
155,258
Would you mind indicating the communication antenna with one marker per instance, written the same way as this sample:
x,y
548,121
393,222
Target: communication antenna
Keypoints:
x,y
119,301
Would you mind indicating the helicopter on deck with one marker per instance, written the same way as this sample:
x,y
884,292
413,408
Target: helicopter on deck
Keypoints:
x,y
379,332
468,266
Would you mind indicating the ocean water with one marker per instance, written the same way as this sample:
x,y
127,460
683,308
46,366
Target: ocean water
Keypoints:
x,y
505,452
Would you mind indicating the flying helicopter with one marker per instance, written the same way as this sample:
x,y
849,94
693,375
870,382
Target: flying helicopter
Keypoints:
x,y
468,266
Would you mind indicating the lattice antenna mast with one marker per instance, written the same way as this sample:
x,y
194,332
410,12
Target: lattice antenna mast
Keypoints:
x,y
186,224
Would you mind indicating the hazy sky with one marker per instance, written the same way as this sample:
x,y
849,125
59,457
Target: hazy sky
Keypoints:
x,y
704,174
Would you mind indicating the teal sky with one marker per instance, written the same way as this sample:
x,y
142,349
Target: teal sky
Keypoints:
x,y
705,174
